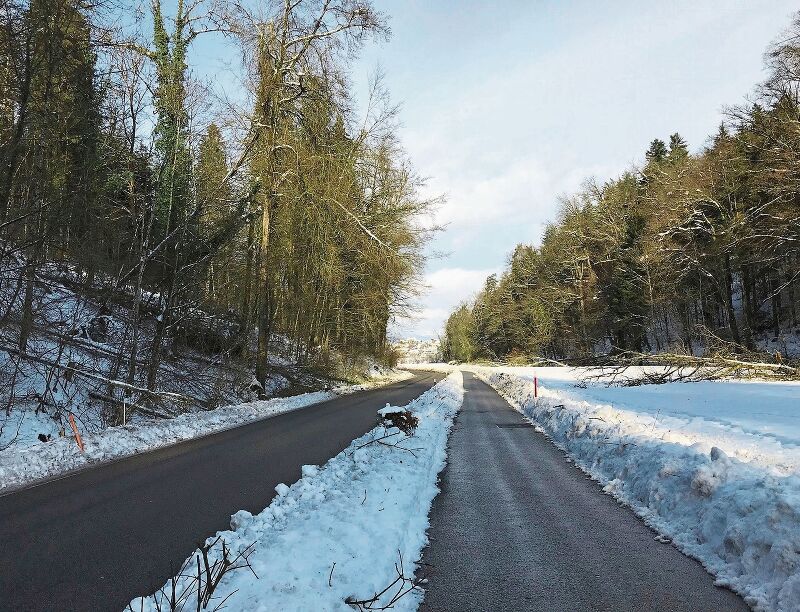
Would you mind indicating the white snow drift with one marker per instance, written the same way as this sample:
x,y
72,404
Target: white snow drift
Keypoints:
x,y
20,466
715,467
343,528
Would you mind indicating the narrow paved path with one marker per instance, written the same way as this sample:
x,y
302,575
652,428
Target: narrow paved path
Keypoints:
x,y
95,540
517,527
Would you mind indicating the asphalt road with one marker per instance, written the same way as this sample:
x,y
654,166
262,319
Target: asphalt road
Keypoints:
x,y
94,540
517,527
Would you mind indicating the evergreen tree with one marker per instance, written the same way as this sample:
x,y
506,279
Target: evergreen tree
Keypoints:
x,y
458,335
626,291
213,196
171,135
678,151
657,152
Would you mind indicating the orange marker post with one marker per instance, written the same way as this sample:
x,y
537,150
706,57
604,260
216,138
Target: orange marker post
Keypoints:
x,y
78,439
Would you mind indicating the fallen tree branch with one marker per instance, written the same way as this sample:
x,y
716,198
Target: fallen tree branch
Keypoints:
x,y
677,367
72,368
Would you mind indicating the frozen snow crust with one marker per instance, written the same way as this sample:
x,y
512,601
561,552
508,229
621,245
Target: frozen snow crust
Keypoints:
x,y
341,529
21,466
728,497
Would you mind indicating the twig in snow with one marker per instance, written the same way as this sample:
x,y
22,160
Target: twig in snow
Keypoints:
x,y
175,595
402,583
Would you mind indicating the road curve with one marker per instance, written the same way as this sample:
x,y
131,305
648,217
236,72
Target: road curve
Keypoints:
x,y
517,527
96,539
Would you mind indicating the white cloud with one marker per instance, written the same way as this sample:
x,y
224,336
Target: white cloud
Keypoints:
x,y
445,289
474,200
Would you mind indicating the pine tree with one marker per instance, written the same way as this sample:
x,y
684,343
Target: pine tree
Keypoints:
x,y
458,335
211,193
173,191
214,197
657,151
678,151
626,291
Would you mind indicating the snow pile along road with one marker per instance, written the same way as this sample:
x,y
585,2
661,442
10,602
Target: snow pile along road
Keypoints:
x,y
21,466
343,529
740,518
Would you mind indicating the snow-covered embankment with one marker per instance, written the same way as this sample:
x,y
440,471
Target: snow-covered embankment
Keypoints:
x,y
343,529
21,466
740,518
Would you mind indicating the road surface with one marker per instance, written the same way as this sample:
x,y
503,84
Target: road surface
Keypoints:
x,y
94,540
517,527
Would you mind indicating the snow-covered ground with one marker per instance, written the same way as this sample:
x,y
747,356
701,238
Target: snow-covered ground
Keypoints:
x,y
713,466
78,356
754,421
343,529
21,465
787,342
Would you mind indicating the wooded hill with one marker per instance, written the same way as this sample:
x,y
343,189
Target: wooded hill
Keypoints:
x,y
223,225
689,252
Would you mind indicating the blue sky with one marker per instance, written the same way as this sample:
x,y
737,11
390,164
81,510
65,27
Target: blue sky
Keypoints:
x,y
505,106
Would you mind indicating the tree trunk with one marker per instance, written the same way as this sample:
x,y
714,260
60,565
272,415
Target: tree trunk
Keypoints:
x,y
27,307
729,301
247,298
776,306
265,303
791,297
747,302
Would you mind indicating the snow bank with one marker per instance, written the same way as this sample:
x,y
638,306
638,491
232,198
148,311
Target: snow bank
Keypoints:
x,y
21,466
728,497
340,530
761,411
